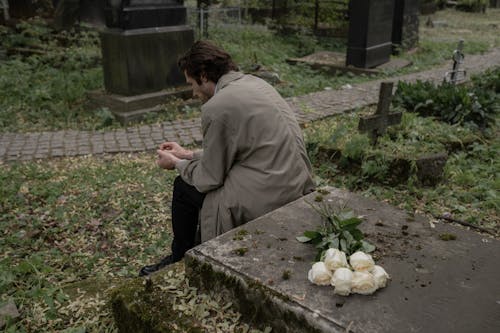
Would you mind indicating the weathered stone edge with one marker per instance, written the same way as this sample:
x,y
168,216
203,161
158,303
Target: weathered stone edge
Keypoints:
x,y
259,305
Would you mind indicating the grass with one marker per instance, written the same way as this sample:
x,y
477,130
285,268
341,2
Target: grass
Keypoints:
x,y
470,188
47,91
70,226
71,219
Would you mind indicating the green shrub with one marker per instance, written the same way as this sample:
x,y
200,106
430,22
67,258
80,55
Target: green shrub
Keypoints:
x,y
454,104
489,80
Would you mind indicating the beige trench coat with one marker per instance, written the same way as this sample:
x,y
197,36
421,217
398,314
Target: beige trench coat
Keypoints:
x,y
253,159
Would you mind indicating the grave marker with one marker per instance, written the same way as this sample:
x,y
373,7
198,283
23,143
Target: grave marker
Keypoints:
x,y
370,31
377,124
141,45
137,14
140,48
456,75
405,25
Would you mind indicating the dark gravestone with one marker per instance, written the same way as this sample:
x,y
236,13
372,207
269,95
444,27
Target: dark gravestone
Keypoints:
x,y
370,31
405,25
495,3
377,124
427,7
136,14
22,8
144,60
139,61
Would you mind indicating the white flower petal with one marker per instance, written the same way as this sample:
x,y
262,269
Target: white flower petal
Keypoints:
x,y
319,274
380,276
334,259
361,261
342,281
363,283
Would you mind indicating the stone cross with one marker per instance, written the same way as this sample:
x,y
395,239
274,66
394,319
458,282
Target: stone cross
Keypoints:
x,y
377,124
456,74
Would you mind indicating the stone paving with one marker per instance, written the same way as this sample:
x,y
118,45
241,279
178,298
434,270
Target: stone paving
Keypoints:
x,y
310,107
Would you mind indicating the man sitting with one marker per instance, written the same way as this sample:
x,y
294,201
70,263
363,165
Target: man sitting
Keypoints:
x,y
253,159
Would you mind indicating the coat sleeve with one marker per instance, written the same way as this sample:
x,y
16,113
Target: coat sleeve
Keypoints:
x,y
209,171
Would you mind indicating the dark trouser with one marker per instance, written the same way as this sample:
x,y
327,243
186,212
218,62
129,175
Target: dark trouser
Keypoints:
x,y
186,205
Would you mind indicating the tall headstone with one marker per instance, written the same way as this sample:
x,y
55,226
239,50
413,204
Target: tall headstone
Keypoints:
x,y
22,8
136,14
427,7
405,25
370,32
142,43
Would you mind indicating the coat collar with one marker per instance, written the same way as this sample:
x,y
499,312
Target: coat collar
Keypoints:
x,y
226,79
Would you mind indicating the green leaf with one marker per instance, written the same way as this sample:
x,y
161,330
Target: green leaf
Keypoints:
x,y
346,214
303,239
320,255
367,247
356,233
354,221
334,243
343,245
312,234
322,244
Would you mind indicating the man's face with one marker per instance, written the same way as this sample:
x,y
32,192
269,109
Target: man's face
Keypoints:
x,y
203,91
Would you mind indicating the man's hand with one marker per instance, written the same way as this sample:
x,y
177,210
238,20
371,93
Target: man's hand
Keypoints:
x,y
166,160
175,149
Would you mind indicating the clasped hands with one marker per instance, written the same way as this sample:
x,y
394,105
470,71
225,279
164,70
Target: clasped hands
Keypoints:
x,y
169,153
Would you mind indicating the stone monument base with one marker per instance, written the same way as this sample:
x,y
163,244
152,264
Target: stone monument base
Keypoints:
x,y
335,62
128,109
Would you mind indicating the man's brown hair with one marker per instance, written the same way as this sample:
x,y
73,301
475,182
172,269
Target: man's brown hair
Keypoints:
x,y
206,59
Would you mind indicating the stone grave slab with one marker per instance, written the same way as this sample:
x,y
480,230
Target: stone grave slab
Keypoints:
x,y
436,286
335,62
128,109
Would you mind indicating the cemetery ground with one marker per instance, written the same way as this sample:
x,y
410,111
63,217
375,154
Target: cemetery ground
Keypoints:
x,y
71,227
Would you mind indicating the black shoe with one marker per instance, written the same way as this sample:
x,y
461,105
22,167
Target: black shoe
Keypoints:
x,y
146,270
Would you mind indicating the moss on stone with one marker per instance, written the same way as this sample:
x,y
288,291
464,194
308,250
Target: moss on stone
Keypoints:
x,y
257,303
141,305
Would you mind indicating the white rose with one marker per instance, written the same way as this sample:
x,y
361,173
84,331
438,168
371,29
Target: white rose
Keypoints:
x,y
363,283
361,261
319,274
334,259
380,276
342,280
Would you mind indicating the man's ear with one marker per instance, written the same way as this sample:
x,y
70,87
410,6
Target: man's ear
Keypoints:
x,y
203,77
